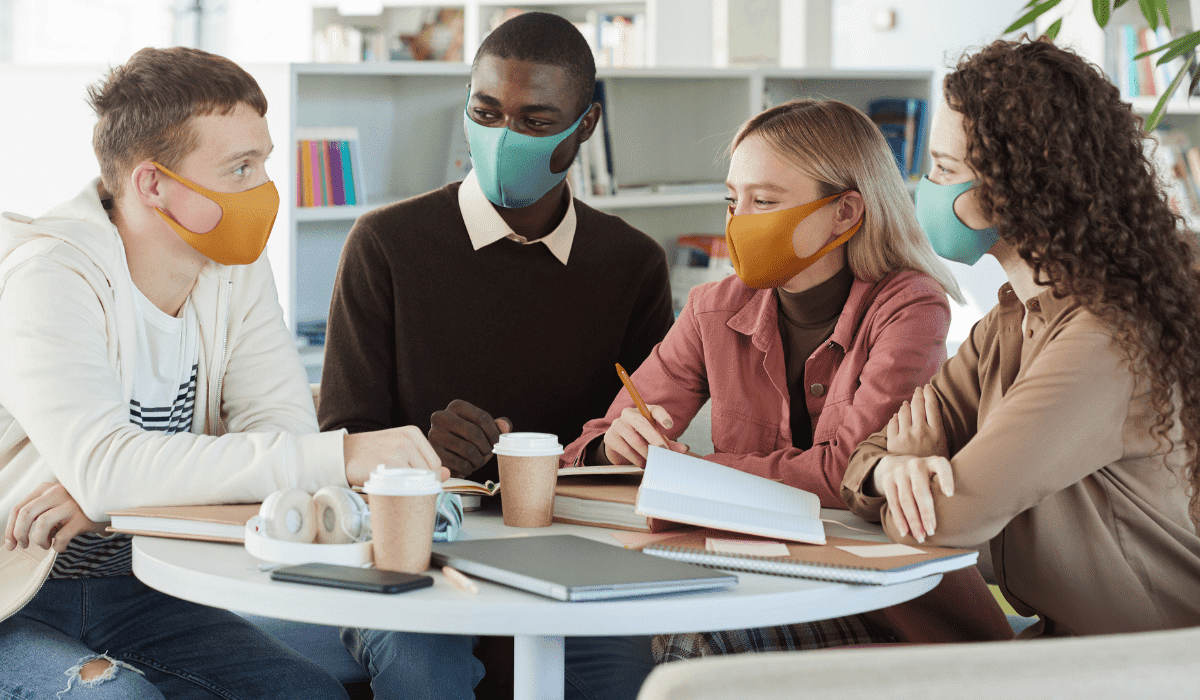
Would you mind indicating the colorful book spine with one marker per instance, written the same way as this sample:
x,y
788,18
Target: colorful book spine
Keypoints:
x,y
326,179
299,173
337,186
315,174
306,171
348,173
328,169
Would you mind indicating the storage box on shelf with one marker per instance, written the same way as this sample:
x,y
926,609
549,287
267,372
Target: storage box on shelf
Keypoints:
x,y
670,131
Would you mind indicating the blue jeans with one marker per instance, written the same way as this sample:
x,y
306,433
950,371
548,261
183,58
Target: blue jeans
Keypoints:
x,y
157,646
411,666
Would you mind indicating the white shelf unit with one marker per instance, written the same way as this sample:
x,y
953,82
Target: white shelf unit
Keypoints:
x,y
666,126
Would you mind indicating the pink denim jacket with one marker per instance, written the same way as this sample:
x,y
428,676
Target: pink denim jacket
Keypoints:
x,y
889,339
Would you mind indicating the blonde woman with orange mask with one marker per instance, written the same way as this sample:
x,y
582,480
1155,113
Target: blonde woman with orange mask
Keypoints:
x,y
837,313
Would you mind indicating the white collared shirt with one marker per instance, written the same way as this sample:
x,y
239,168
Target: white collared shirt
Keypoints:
x,y
485,226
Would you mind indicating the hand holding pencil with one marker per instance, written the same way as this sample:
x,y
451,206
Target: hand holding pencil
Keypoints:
x,y
628,439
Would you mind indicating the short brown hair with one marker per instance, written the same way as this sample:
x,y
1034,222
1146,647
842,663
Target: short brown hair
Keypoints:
x,y
144,107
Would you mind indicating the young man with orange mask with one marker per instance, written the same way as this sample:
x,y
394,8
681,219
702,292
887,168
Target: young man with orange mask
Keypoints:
x,y
146,362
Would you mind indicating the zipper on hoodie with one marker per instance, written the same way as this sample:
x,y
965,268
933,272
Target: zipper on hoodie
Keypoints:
x,y
224,352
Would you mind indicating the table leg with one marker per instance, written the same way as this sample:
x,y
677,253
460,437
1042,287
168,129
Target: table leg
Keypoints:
x,y
538,668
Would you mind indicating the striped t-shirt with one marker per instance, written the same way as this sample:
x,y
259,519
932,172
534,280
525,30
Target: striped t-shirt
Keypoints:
x,y
164,400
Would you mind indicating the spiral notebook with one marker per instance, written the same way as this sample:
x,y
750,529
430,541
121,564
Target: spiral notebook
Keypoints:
x,y
827,561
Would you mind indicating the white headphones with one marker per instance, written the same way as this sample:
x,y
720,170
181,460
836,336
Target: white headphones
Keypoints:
x,y
333,515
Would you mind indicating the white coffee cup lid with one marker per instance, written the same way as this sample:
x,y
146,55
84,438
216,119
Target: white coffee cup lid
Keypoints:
x,y
402,482
528,445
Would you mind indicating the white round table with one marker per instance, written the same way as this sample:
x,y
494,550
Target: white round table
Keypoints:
x,y
226,576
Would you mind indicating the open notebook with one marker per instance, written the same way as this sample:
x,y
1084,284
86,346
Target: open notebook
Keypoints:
x,y
691,490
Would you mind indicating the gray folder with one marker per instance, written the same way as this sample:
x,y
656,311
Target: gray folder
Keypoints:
x,y
572,568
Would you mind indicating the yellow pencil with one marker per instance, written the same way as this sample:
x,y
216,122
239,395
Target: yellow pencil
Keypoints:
x,y
637,399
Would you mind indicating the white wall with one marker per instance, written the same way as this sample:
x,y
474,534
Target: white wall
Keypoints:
x,y
48,135
930,35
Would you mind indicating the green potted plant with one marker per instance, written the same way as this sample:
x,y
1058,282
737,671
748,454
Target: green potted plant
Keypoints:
x,y
1154,11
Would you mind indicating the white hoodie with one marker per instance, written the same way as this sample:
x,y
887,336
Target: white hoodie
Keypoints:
x,y
66,378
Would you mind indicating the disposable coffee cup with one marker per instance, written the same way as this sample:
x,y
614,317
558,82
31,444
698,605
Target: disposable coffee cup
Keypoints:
x,y
528,472
403,505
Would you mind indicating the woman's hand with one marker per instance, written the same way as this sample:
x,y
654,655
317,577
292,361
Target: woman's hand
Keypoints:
x,y
904,481
47,517
628,439
917,428
916,440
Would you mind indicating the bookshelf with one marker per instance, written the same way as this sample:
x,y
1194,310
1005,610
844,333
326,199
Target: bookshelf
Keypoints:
x,y
1181,122
666,126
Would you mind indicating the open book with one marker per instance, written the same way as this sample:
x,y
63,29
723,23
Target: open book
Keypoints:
x,y
691,490
472,491
840,559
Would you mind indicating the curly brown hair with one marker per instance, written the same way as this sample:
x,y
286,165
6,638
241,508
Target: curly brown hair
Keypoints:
x,y
1063,172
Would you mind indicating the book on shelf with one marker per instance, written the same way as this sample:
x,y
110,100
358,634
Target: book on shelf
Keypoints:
x,y
839,559
214,523
902,121
617,40
1177,164
329,164
686,489
1144,77
592,172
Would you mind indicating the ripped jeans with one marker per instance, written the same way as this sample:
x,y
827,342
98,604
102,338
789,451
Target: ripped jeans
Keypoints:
x,y
162,647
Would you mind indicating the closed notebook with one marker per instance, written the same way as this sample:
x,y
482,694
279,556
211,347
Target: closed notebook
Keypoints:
x,y
216,523
826,561
571,568
606,501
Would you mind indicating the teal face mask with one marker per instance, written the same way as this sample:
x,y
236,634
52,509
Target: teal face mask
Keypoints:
x,y
514,169
950,237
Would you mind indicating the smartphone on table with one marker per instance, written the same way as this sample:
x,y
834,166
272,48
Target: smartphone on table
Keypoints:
x,y
352,577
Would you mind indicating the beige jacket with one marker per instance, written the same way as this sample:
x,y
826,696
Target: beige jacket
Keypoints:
x,y
1054,464
66,374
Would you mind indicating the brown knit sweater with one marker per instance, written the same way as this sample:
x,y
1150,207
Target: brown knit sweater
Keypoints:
x,y
419,319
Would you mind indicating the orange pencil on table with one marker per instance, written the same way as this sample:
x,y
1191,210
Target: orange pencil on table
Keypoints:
x,y
637,400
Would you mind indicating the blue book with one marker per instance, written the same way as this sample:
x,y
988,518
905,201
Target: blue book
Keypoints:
x,y
902,122
347,173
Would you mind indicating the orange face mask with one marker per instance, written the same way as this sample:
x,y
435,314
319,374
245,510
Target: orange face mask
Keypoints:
x,y
246,220
760,245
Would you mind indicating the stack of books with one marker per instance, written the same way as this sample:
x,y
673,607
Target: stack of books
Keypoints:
x,y
329,167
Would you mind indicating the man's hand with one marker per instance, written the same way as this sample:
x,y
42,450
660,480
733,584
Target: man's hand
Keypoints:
x,y
628,439
47,517
917,428
463,436
395,447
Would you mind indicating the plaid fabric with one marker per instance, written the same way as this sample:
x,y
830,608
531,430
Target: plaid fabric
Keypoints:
x,y
853,630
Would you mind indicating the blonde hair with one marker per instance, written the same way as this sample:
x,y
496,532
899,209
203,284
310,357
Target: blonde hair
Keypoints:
x,y
840,148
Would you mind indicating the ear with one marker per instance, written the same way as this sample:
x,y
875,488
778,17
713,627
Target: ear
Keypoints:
x,y
590,120
146,184
848,212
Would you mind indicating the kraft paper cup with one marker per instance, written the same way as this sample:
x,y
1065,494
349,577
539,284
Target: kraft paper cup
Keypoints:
x,y
528,473
403,505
